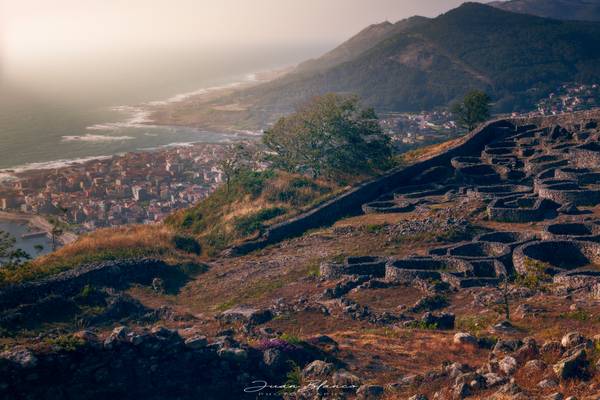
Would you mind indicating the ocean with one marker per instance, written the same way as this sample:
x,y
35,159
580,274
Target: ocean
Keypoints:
x,y
28,244
92,106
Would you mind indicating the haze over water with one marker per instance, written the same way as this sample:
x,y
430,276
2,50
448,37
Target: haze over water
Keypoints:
x,y
66,64
83,110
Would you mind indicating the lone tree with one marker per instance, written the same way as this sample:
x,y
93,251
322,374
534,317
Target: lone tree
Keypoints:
x,y
11,257
237,157
332,136
472,110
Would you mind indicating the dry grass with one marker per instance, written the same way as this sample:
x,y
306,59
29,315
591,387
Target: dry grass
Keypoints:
x,y
423,153
135,241
252,202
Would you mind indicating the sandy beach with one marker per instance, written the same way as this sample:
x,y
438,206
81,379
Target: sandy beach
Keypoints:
x,y
214,108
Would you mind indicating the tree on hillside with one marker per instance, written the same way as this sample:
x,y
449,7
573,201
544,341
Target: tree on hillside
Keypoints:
x,y
9,255
238,157
472,110
332,136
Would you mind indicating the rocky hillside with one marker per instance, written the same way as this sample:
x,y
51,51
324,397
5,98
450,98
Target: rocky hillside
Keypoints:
x,y
474,275
580,10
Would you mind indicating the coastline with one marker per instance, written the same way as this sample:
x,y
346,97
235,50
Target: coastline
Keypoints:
x,y
151,114
209,108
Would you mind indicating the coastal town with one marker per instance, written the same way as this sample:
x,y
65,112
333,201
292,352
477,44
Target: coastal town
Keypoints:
x,y
144,187
140,187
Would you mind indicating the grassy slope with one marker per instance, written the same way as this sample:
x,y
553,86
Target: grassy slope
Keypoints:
x,y
253,202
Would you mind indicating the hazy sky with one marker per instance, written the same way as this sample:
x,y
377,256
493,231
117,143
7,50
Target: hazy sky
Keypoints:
x,y
33,28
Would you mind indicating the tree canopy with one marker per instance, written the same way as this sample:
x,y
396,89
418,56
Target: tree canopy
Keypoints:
x,y
331,136
9,255
472,110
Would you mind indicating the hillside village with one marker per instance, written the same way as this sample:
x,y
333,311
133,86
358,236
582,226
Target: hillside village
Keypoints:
x,y
133,188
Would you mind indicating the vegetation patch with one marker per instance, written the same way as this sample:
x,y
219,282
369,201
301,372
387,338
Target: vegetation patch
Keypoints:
x,y
129,242
536,276
248,205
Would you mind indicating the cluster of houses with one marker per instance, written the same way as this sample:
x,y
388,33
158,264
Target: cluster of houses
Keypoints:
x,y
139,187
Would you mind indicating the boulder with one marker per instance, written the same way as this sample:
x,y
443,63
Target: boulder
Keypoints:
x,y
460,391
492,380
463,338
455,369
508,365
574,366
534,366
572,339
233,354
551,348
317,369
547,384
528,351
246,314
369,392
274,360
441,321
119,334
86,336
504,327
506,346
20,356
197,342
345,379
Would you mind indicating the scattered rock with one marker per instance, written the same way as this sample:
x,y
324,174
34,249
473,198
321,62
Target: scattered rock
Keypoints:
x,y
246,314
508,365
346,379
21,356
547,384
507,346
441,321
369,392
196,342
504,327
535,366
572,339
573,366
528,351
492,380
317,369
233,354
463,338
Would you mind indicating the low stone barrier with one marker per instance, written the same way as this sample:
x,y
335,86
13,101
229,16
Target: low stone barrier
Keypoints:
x,y
69,283
350,203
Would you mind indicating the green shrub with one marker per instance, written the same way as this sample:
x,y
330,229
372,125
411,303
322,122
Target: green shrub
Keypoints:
x,y
251,223
536,275
290,338
187,243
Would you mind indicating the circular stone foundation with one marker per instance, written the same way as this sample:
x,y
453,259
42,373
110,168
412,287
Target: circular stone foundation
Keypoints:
x,y
557,256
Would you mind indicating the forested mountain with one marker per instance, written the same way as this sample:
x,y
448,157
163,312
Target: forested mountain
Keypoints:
x,y
517,58
582,10
358,44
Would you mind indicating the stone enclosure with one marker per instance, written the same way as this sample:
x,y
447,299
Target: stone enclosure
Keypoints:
x,y
540,171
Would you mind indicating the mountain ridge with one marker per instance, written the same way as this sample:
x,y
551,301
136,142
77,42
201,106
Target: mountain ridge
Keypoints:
x,y
426,64
584,10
